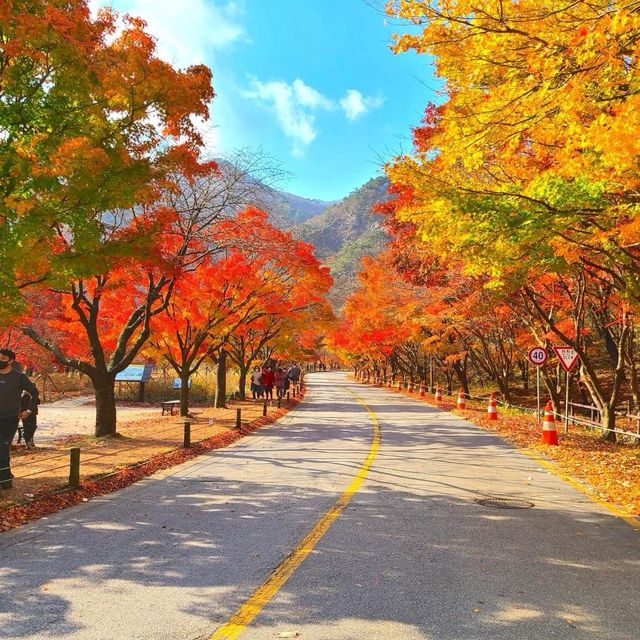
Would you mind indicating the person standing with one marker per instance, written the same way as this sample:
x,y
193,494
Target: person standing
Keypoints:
x,y
267,382
294,373
256,383
30,422
12,383
280,379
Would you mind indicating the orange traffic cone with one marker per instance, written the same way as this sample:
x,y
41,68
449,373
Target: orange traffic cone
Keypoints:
x,y
549,433
399,389
492,411
422,391
460,404
389,383
438,393
410,388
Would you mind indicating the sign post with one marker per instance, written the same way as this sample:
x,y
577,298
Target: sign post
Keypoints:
x,y
140,373
538,356
568,358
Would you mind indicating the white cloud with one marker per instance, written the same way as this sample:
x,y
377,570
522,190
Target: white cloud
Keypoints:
x,y
354,104
293,105
309,97
188,32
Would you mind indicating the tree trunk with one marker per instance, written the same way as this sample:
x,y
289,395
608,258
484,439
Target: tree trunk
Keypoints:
x,y
461,373
551,388
104,387
608,421
221,381
184,394
242,382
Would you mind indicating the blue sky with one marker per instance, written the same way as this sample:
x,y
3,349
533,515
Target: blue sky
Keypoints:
x,y
310,82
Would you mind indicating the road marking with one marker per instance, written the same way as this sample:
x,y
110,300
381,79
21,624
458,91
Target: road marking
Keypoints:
x,y
265,592
634,522
630,520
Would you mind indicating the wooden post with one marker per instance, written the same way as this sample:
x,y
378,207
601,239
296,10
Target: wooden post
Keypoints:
x,y
238,419
186,441
264,408
74,467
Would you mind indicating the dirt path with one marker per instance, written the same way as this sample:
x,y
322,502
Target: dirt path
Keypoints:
x,y
77,416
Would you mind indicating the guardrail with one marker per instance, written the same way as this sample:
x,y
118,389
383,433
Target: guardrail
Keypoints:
x,y
572,418
591,423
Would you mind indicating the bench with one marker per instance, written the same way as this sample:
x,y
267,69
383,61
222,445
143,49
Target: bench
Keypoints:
x,y
169,406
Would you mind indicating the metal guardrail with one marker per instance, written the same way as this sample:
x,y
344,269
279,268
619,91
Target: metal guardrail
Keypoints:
x,y
572,418
590,423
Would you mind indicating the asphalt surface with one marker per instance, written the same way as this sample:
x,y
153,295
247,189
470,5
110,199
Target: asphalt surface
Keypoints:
x,y
412,556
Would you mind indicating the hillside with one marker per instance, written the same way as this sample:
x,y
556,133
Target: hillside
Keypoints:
x,y
288,210
345,232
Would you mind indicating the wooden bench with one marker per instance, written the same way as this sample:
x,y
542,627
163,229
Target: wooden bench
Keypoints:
x,y
170,405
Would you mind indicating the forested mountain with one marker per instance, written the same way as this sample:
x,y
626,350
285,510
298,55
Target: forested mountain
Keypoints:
x,y
345,232
290,210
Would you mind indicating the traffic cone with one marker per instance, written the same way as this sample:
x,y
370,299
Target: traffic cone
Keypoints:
x,y
492,411
399,389
422,390
460,404
549,433
410,387
389,383
438,393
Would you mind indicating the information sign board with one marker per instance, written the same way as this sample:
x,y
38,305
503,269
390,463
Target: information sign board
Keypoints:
x,y
135,373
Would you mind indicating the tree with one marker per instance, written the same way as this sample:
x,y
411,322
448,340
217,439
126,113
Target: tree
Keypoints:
x,y
91,121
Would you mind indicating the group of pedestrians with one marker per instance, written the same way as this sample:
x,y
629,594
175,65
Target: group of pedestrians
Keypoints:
x,y
19,400
263,380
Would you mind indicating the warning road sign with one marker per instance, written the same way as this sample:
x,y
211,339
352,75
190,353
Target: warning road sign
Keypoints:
x,y
567,356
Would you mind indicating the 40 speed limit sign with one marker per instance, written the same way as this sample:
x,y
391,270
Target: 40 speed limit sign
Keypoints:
x,y
538,356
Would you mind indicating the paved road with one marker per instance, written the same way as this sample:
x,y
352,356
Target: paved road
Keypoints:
x,y
412,556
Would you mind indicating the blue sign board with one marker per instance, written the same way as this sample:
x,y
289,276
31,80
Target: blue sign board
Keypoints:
x,y
135,373
177,383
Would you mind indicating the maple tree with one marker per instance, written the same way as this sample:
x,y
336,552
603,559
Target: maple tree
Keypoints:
x,y
523,181
234,303
91,121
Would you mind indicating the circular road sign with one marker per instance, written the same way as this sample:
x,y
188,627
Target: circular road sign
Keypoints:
x,y
538,356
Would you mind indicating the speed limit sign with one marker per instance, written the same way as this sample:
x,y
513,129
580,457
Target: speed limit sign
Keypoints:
x,y
538,356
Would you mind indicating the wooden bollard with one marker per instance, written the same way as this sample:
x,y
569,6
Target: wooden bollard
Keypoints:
x,y
238,419
288,396
278,405
186,438
74,467
264,408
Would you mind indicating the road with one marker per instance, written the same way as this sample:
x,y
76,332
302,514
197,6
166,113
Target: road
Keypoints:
x,y
406,553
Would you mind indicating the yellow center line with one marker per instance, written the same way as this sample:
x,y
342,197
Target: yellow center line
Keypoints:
x,y
265,592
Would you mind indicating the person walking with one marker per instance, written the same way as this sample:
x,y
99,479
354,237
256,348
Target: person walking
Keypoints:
x,y
267,382
30,422
12,383
280,380
256,383
294,373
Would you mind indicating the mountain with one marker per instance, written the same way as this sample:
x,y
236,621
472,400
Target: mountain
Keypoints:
x,y
288,210
345,232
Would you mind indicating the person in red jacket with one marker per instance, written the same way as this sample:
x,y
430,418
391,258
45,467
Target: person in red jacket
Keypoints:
x,y
268,378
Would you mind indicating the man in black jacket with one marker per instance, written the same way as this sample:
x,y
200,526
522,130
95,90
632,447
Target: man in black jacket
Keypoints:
x,y
12,383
